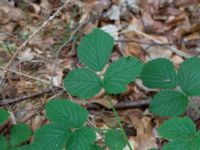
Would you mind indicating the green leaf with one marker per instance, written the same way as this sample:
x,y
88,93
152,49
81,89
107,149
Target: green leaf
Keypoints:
x,y
169,103
66,112
51,137
24,147
193,143
81,139
19,133
115,140
159,73
82,83
120,73
177,128
96,147
95,49
3,143
177,145
189,75
3,115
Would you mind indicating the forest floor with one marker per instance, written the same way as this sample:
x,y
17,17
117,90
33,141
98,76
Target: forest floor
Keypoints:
x,y
38,43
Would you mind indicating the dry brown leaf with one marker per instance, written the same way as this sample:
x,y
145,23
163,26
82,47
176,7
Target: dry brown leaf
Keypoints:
x,y
95,7
103,101
9,91
46,5
193,109
145,138
185,2
158,50
4,17
36,122
177,60
174,21
133,48
110,121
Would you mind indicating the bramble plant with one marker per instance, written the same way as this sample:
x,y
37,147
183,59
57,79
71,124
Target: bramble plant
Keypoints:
x,y
172,100
67,127
94,52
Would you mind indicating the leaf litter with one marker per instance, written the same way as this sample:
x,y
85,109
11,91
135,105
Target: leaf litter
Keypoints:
x,y
36,74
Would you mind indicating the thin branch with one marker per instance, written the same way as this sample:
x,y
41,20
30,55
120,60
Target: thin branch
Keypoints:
x,y
40,93
64,44
132,104
123,105
28,76
140,42
172,48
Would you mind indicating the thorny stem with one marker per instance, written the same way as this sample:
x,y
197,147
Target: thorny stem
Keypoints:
x,y
119,123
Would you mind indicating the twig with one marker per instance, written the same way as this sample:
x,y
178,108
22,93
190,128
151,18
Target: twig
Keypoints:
x,y
172,48
140,42
62,46
65,43
123,105
28,76
132,104
10,101
31,37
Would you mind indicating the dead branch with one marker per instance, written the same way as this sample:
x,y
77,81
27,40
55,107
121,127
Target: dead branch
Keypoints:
x,y
123,105
38,94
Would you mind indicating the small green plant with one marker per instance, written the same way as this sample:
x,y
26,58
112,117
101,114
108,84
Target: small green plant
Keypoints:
x,y
94,52
172,100
67,128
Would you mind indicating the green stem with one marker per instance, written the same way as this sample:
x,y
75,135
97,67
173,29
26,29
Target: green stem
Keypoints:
x,y
119,123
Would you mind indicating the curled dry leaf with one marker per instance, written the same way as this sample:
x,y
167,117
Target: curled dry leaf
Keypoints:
x,y
113,13
145,138
95,7
4,55
26,55
36,122
9,91
4,17
112,30
177,60
103,101
158,51
109,120
46,5
133,48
